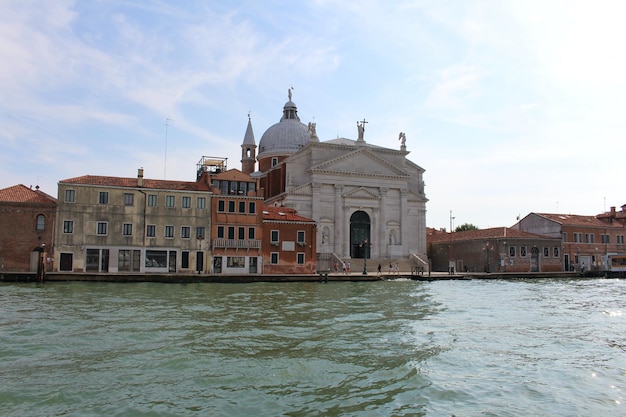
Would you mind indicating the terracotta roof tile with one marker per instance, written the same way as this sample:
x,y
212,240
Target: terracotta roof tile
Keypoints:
x,y
578,220
272,213
132,183
23,194
481,234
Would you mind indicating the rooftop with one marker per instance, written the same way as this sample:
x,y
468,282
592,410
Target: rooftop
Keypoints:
x,y
23,194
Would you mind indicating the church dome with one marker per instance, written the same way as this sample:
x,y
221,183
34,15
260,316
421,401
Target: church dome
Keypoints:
x,y
287,136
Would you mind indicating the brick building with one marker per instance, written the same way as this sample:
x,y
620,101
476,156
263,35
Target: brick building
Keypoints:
x,y
290,242
498,249
589,242
27,220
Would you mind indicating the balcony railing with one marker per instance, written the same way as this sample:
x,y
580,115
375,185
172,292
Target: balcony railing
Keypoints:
x,y
237,243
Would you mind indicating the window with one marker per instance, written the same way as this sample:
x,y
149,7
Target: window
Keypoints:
x,y
170,201
127,229
184,259
70,196
251,233
590,238
274,237
169,232
620,239
546,252
151,230
41,223
152,200
512,251
221,206
102,228
103,198
231,206
200,232
186,202
156,258
242,233
236,262
605,238
564,236
300,238
274,258
556,251
129,199
274,161
220,232
128,260
68,226
202,203
231,232
185,232
252,207
522,251
578,237
300,258
242,207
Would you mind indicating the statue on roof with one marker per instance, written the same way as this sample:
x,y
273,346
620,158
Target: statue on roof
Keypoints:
x,y
402,139
289,93
361,129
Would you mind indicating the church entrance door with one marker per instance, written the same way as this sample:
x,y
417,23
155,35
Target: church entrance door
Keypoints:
x,y
360,241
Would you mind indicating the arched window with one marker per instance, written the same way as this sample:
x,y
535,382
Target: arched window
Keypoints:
x,y
41,223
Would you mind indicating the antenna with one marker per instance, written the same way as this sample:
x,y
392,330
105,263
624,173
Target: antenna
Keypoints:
x,y
167,120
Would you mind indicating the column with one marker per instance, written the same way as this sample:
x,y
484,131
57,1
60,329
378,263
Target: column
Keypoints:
x,y
338,231
404,219
383,242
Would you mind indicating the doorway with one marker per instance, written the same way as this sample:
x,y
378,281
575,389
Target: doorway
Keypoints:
x,y
360,242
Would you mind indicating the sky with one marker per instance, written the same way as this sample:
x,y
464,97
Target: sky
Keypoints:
x,y
510,106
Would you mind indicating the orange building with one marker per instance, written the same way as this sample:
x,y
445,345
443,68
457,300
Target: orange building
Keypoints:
x,y
289,242
236,218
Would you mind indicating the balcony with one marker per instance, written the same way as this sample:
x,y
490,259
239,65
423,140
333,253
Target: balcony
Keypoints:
x,y
236,243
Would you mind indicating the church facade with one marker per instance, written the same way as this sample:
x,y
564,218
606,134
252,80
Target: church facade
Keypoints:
x,y
368,201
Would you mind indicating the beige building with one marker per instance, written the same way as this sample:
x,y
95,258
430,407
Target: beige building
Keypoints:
x,y
113,224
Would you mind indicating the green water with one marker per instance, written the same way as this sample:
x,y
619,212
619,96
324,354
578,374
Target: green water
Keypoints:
x,y
462,348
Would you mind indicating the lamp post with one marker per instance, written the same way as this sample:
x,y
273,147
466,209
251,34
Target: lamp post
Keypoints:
x,y
487,249
365,247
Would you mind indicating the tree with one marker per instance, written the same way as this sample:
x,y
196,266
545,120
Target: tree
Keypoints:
x,y
464,227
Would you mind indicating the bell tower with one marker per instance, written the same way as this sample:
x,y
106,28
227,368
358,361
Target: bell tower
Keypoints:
x,y
248,150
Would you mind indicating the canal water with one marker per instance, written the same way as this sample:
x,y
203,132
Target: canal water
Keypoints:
x,y
396,348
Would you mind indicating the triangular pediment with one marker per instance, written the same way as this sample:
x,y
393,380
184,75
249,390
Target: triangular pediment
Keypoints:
x,y
360,194
360,162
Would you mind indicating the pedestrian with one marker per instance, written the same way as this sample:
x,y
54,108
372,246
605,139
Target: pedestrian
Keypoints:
x,y
348,267
343,266
397,269
380,269
390,268
335,265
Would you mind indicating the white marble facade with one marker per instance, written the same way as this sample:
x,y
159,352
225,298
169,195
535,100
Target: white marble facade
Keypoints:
x,y
331,181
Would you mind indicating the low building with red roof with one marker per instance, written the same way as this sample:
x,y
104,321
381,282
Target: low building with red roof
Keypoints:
x,y
27,220
290,242
498,249
589,242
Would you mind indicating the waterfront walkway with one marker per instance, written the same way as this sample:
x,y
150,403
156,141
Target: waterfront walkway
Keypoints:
x,y
321,277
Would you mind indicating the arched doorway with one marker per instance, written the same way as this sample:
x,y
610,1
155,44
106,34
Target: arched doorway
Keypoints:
x,y
360,235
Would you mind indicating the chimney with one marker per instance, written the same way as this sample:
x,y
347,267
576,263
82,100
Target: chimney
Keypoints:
x,y
140,177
